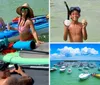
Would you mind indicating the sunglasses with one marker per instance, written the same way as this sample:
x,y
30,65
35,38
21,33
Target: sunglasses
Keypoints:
x,y
24,9
75,8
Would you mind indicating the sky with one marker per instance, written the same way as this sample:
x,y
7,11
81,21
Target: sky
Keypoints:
x,y
79,51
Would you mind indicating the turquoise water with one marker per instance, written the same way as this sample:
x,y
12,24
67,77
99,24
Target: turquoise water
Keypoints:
x,y
90,11
8,8
57,78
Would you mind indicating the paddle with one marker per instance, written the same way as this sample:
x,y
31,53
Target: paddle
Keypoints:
x,y
37,67
4,65
67,9
38,51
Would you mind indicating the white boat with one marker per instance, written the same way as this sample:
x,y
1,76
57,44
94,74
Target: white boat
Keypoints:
x,y
84,76
80,69
98,68
69,71
91,65
62,69
87,68
53,69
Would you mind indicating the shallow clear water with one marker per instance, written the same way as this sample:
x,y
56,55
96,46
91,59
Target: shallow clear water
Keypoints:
x,y
8,9
57,78
90,11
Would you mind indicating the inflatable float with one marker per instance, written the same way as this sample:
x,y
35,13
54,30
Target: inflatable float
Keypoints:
x,y
96,75
41,25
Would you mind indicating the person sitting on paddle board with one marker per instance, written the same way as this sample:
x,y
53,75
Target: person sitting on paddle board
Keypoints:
x,y
2,24
25,24
75,30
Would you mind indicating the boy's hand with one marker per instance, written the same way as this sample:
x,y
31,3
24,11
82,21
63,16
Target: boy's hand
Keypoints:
x,y
67,22
84,23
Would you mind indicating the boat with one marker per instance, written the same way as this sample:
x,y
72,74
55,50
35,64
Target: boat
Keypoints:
x,y
87,68
84,76
80,69
55,64
41,25
53,69
91,65
38,56
98,68
69,71
96,75
62,69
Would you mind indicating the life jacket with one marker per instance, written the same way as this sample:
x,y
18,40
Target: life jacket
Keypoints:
x,y
9,49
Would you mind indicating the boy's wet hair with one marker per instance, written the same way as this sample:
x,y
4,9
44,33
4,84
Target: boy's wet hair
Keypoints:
x,y
74,9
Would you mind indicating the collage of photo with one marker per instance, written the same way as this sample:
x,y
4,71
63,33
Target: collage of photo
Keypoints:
x,y
74,42
49,42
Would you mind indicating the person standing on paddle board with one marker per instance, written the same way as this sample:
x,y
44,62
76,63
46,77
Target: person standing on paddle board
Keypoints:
x,y
25,24
75,29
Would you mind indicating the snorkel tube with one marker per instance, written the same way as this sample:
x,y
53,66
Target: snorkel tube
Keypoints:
x,y
68,11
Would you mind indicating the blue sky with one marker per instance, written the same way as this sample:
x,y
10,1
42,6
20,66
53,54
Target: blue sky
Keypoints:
x,y
80,51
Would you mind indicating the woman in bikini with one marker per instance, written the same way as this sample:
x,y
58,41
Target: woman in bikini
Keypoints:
x,y
25,24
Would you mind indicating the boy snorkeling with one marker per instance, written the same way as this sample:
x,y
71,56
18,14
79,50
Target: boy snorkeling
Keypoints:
x,y
75,29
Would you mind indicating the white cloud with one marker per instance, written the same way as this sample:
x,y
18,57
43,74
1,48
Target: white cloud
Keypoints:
x,y
89,51
56,56
70,52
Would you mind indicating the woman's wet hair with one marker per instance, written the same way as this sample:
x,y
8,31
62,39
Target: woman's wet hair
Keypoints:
x,y
25,80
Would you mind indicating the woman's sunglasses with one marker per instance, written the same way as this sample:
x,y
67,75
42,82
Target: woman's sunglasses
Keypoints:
x,y
24,9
